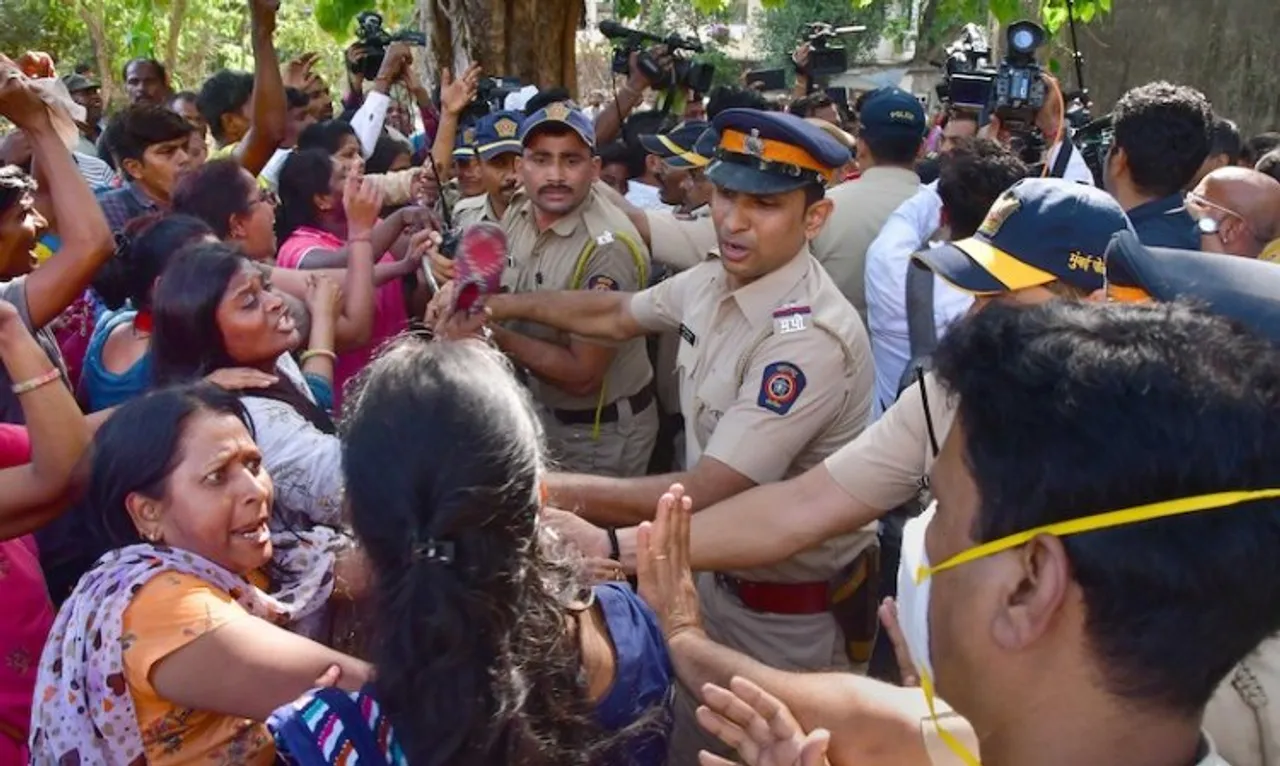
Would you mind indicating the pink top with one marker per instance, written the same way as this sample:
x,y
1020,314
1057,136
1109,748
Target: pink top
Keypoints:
x,y
390,316
28,616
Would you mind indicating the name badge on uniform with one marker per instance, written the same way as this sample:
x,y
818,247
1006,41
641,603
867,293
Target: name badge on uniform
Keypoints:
x,y
688,335
789,319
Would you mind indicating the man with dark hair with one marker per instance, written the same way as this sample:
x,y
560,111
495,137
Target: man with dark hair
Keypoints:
x,y
957,123
817,105
1258,147
87,94
146,82
774,375
1225,146
972,175
893,129
497,157
1071,618
597,398
615,166
1161,139
1270,164
150,145
247,113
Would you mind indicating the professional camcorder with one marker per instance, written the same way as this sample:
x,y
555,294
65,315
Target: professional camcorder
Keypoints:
x,y
682,72
1013,91
491,92
374,39
826,57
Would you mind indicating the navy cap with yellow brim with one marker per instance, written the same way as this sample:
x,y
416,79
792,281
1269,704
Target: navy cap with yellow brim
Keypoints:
x,y
676,147
564,113
771,153
1041,230
498,133
1243,289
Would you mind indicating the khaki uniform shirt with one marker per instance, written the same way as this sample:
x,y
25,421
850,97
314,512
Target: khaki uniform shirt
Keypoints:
x,y
774,376
473,210
547,260
861,208
885,466
681,243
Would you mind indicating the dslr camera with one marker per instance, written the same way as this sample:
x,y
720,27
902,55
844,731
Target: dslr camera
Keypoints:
x,y
826,56
491,92
374,39
682,73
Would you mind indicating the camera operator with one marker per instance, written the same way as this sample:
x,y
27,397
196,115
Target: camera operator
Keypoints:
x,y
1161,139
609,121
893,129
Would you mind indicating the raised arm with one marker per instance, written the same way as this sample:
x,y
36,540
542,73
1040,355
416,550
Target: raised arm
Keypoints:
x,y
56,429
454,97
86,238
269,105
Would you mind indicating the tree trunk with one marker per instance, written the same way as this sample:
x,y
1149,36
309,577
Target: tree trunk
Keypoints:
x,y
91,11
534,40
177,14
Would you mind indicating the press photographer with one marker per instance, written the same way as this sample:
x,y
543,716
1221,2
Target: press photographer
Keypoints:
x,y
1016,101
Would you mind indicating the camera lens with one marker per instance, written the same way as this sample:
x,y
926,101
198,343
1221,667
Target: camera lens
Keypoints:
x,y
1024,40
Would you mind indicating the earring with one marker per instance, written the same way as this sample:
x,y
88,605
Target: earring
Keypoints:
x,y
154,537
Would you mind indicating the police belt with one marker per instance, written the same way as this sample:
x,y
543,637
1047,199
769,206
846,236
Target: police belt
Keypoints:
x,y
791,598
609,412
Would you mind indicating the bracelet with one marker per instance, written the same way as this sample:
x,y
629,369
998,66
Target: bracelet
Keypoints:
x,y
615,550
27,386
314,352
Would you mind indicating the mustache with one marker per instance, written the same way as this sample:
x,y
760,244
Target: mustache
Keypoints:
x,y
555,187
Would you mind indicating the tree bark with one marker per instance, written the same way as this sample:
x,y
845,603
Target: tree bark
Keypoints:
x,y
95,22
534,40
177,14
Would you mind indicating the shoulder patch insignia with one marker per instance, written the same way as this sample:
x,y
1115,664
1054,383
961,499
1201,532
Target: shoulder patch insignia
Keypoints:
x,y
605,239
790,318
1005,206
780,387
602,283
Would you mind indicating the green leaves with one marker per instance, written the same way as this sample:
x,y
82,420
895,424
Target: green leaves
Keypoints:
x,y
336,16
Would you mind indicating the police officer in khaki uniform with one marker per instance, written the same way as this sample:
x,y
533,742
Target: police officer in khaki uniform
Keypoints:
x,y
597,396
775,375
893,129
497,148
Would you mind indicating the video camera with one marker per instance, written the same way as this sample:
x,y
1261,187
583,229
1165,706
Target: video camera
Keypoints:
x,y
683,72
1014,91
374,38
826,58
491,92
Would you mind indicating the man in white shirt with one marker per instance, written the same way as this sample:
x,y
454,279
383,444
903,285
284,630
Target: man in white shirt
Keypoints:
x,y
906,231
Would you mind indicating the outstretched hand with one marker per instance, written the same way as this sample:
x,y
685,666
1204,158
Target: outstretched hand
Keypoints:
x,y
758,726
662,565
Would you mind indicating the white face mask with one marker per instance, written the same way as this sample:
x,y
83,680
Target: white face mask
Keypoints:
x,y
913,616
913,598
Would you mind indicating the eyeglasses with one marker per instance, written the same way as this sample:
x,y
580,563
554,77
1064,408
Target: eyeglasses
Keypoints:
x,y
269,197
1199,207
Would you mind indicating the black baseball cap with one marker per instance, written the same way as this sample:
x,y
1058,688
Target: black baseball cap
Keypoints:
x,y
1041,230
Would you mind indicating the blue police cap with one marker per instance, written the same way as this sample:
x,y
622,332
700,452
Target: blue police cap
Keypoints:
x,y
676,146
1041,230
464,143
564,113
1238,288
498,133
772,152
891,112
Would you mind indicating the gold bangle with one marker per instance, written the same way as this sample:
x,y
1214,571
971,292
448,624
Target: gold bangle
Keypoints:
x,y
313,352
27,386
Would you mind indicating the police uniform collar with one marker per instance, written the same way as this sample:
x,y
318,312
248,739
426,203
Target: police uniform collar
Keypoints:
x,y
565,225
758,299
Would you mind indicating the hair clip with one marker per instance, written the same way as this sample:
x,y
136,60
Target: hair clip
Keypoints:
x,y
435,551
